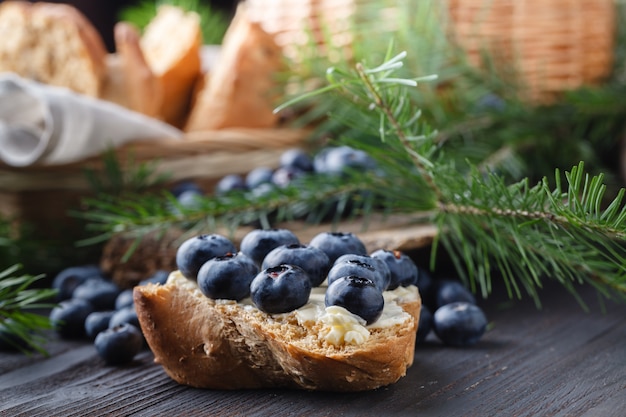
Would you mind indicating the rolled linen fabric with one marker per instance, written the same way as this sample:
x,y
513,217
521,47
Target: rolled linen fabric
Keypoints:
x,y
46,125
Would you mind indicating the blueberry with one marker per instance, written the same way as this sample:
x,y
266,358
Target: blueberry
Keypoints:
x,y
261,191
342,159
459,324
258,176
66,281
124,299
490,102
119,345
194,252
314,261
285,176
336,244
358,295
124,315
402,268
450,291
184,186
257,243
297,158
68,317
230,183
319,160
100,292
280,289
158,277
97,322
425,324
361,265
227,277
426,287
190,200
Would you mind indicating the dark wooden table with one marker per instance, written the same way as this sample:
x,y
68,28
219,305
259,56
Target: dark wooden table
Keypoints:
x,y
557,361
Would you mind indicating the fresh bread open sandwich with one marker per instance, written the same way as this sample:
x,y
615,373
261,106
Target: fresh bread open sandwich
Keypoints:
x,y
219,343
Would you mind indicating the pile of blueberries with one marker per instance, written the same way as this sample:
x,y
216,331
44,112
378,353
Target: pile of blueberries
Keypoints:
x,y
277,272
294,164
91,306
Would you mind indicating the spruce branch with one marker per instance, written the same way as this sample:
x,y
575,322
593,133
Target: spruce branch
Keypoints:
x,y
310,199
521,233
21,327
421,163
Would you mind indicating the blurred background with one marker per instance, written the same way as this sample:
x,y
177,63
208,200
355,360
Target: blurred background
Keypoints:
x,y
104,13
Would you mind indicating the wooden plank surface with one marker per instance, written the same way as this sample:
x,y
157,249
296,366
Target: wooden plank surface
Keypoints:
x,y
557,361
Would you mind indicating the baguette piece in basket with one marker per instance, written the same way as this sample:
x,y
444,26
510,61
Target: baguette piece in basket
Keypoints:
x,y
221,344
131,82
53,44
241,90
171,47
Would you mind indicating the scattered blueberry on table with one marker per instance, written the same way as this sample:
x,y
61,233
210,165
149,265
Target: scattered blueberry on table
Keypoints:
x,y
459,323
99,310
96,322
68,317
120,344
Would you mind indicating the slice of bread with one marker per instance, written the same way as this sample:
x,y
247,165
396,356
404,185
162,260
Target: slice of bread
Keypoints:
x,y
171,46
53,44
221,344
241,90
130,80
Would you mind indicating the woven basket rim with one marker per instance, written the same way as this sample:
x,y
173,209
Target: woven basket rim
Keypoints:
x,y
206,154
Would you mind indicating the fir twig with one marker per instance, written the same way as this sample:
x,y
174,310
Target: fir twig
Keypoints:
x,y
22,325
116,178
524,234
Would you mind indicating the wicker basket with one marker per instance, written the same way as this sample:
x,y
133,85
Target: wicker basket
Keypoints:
x,y
550,45
554,45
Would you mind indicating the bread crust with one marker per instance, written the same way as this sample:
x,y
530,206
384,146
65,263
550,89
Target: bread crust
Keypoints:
x,y
171,46
241,90
52,43
130,81
223,345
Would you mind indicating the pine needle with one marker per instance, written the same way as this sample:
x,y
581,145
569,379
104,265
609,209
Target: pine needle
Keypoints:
x,y
19,301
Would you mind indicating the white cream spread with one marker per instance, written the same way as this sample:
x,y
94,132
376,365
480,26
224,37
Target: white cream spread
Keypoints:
x,y
342,327
338,325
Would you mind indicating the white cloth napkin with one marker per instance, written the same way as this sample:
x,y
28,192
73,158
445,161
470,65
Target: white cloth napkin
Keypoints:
x,y
46,125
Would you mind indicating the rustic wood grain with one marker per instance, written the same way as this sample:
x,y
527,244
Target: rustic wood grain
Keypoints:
x,y
557,361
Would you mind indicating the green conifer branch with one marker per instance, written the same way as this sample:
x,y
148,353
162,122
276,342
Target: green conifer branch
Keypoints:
x,y
21,326
524,234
